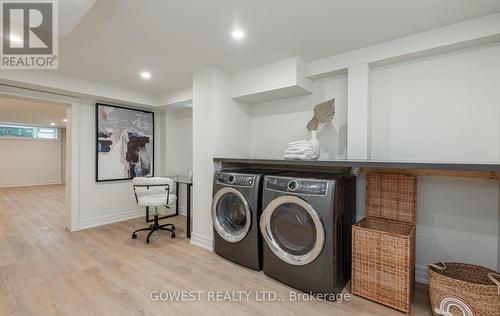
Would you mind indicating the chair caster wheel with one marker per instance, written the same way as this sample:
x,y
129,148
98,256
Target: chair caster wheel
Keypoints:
x,y
134,236
147,241
173,235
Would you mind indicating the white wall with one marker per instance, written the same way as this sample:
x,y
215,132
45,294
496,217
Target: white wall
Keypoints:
x,y
276,123
440,108
231,120
179,147
104,202
179,141
30,162
444,108
457,220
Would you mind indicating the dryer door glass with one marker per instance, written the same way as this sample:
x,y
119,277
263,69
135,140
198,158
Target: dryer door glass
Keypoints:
x,y
293,230
231,214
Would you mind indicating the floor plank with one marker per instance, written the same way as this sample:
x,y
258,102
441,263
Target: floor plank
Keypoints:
x,y
46,270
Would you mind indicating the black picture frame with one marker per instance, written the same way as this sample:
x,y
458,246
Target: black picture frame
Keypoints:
x,y
97,105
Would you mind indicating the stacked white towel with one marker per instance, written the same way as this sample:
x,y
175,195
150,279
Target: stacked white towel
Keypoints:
x,y
303,149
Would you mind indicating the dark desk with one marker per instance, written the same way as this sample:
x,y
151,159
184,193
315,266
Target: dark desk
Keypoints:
x,y
486,170
189,184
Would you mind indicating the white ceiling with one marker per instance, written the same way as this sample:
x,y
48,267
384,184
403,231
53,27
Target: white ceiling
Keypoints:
x,y
25,111
117,39
71,13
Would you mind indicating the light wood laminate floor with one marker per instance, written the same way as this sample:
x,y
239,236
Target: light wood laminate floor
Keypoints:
x,y
46,270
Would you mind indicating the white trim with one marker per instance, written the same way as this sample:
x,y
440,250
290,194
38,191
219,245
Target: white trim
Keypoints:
x,y
201,241
66,86
30,184
110,219
421,274
73,166
33,139
358,112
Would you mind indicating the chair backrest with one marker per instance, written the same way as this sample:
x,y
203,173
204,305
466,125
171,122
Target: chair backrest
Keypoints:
x,y
152,186
152,181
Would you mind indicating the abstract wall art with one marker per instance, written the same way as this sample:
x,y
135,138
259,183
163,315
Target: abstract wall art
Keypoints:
x,y
124,143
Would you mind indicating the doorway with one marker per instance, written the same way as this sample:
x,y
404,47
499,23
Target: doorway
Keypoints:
x,y
35,144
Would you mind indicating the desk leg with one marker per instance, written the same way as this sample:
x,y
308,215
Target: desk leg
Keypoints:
x,y
188,211
178,198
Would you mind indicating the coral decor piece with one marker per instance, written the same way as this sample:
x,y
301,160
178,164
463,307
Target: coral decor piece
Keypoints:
x,y
323,113
309,149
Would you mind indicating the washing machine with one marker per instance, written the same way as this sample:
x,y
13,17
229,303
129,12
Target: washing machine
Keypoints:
x,y
306,228
235,215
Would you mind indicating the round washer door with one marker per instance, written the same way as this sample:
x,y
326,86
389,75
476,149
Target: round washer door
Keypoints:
x,y
293,230
231,214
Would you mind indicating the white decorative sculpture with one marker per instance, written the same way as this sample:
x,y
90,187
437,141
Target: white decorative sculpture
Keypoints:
x,y
309,149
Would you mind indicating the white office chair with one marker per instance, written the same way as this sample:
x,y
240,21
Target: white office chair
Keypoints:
x,y
154,192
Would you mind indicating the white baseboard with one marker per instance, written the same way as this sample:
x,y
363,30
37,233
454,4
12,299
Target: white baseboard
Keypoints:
x,y
421,274
110,219
30,184
201,241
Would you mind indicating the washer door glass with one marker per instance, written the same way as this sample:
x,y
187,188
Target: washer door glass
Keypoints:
x,y
231,214
293,230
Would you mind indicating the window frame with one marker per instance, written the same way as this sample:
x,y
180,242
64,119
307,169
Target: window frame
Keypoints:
x,y
35,127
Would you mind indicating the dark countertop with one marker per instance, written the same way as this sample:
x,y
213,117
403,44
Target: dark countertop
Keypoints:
x,y
459,166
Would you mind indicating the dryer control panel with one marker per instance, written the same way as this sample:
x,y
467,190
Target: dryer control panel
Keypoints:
x,y
297,186
240,180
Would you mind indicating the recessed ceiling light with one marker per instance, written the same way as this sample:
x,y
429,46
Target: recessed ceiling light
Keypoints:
x,y
65,120
145,75
238,34
52,124
14,38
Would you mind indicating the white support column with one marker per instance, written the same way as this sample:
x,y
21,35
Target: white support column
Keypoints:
x,y
221,126
358,112
73,154
203,151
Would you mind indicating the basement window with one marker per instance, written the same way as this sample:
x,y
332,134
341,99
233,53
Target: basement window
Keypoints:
x,y
28,132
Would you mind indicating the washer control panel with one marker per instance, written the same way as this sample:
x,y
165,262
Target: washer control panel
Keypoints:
x,y
240,180
297,186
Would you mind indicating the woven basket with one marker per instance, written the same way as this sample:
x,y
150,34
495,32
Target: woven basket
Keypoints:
x,y
383,243
461,289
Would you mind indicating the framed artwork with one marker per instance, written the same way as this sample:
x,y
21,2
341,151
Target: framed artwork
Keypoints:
x,y
124,143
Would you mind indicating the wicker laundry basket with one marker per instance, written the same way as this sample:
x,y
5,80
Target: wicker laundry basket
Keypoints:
x,y
383,243
461,289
